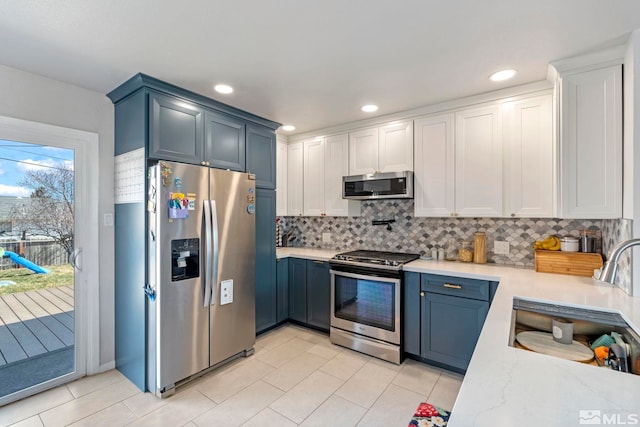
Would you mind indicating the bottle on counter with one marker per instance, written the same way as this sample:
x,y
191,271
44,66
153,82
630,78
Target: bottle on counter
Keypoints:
x,y
465,251
451,253
479,248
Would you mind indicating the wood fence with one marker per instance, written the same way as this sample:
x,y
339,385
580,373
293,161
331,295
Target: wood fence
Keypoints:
x,y
38,252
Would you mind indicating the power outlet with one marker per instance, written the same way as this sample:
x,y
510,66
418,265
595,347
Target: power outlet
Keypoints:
x,y
326,237
501,248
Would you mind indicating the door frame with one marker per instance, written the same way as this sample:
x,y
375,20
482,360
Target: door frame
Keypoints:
x,y
87,303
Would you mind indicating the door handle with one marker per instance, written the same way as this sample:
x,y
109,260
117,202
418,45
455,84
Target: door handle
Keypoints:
x,y
207,253
216,252
73,259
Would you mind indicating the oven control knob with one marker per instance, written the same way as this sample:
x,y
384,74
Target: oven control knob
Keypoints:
x,y
395,263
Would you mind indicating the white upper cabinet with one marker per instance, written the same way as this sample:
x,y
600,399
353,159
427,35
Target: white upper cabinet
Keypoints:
x,y
363,152
478,162
529,157
313,189
591,143
493,160
387,148
434,176
336,165
281,177
294,178
395,147
325,163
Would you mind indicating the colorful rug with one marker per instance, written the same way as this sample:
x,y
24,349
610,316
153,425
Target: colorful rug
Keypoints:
x,y
428,415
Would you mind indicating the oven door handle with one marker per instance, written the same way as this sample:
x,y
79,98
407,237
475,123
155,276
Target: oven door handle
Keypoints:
x,y
365,276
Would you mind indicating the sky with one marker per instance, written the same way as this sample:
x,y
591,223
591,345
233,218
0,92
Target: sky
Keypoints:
x,y
18,157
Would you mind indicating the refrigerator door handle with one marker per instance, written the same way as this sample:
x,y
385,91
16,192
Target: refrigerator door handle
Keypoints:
x,y
216,252
207,255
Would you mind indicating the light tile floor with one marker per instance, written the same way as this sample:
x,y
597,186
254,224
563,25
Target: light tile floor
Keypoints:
x,y
296,377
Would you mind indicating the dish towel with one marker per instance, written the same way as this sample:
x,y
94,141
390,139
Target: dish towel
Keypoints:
x,y
428,415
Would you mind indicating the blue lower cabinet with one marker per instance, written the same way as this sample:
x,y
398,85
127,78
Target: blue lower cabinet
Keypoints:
x,y
282,290
298,289
318,294
411,317
265,260
450,328
443,317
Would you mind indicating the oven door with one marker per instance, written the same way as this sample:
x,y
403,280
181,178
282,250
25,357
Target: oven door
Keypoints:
x,y
366,304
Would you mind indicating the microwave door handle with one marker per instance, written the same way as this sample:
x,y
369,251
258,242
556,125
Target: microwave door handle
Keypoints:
x,y
207,252
216,251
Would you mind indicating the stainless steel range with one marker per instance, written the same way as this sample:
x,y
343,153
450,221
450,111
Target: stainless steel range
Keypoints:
x,y
365,301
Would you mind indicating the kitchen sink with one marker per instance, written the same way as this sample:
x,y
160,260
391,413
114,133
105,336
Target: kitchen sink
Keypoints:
x,y
588,326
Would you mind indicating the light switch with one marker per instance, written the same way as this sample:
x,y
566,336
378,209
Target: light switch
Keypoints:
x,y
326,237
226,292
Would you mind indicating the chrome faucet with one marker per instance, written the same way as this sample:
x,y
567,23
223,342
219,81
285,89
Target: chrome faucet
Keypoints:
x,y
611,266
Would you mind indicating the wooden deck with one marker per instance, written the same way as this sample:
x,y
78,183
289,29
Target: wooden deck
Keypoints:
x,y
34,323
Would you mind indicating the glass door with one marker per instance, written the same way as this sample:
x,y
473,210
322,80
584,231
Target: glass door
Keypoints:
x,y
37,278
49,299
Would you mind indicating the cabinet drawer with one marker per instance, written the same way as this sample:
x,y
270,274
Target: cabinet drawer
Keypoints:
x,y
456,286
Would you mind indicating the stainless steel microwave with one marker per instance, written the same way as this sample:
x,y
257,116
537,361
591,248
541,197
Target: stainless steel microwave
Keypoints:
x,y
390,185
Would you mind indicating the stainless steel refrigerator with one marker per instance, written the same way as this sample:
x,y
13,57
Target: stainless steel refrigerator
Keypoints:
x,y
201,271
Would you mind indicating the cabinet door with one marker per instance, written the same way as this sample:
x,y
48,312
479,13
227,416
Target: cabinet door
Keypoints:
x,y
395,147
591,144
363,152
224,142
281,178
265,259
261,155
313,181
282,289
450,328
528,133
478,167
336,165
175,129
318,294
434,176
298,289
295,158
411,320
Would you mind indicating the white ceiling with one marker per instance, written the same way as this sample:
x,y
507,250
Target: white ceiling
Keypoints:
x,y
308,63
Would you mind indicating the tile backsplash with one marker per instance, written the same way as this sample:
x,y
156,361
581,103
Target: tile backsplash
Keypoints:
x,y
418,234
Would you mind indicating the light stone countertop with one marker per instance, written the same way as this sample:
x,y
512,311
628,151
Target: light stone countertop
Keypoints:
x,y
505,386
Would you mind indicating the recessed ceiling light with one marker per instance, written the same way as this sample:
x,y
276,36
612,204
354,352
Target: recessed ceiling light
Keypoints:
x,y
223,89
369,108
502,75
288,128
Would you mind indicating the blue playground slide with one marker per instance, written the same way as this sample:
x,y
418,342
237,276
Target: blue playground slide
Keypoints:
x,y
25,263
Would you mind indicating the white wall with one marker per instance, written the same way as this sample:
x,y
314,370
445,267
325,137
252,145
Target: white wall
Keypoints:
x,y
631,147
31,97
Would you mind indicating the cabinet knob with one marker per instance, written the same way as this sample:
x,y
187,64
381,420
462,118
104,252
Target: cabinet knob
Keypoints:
x,y
203,163
512,215
421,294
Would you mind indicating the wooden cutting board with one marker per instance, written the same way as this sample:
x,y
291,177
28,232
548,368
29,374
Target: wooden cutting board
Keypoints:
x,y
542,342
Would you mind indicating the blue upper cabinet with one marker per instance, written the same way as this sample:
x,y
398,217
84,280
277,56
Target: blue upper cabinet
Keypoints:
x,y
261,155
175,129
224,144
175,124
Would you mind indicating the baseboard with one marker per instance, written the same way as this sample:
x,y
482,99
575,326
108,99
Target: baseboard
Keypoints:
x,y
107,366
